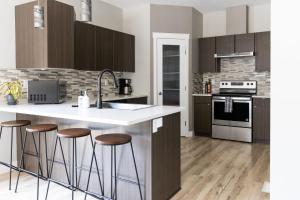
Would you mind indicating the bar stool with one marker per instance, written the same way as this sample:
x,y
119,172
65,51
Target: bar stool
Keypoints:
x,y
72,133
13,124
39,129
114,140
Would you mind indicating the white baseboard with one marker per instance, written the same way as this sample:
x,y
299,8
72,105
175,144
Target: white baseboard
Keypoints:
x,y
4,169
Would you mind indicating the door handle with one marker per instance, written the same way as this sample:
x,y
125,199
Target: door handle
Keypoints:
x,y
160,93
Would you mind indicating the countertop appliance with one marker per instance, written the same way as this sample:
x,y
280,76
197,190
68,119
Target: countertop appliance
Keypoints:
x,y
47,91
232,110
125,87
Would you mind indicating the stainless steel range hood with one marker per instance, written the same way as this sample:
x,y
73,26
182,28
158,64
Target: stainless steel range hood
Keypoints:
x,y
234,55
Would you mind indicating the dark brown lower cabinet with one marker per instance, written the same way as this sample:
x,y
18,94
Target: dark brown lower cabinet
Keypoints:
x,y
261,120
202,116
166,173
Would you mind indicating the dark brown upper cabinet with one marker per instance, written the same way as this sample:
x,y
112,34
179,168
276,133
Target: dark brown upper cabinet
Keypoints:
x,y
50,47
225,44
244,43
207,49
202,116
261,120
124,52
104,48
84,46
98,48
262,51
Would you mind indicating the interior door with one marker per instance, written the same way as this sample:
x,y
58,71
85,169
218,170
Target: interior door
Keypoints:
x,y
172,76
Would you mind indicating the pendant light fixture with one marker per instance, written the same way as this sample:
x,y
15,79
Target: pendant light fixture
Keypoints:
x,y
38,13
86,10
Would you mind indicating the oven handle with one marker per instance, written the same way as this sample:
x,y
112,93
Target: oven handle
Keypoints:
x,y
235,99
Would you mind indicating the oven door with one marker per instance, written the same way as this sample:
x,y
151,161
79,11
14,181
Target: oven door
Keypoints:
x,y
241,115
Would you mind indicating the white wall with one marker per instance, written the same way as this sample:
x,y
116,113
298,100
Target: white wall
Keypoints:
x,y
104,15
136,21
214,23
260,18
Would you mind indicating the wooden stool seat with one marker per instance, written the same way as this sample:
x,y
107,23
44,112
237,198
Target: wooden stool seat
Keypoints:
x,y
15,123
74,133
113,139
41,128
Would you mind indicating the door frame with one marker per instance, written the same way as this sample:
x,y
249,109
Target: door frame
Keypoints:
x,y
184,97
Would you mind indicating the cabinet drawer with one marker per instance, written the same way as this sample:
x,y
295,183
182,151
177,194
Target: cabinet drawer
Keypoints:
x,y
202,99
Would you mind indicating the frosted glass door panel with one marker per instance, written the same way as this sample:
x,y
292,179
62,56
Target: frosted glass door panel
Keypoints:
x,y
171,76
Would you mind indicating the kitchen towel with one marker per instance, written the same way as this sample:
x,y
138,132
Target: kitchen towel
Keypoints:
x,y
228,105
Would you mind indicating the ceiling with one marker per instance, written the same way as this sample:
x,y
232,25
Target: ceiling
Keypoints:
x,y
201,5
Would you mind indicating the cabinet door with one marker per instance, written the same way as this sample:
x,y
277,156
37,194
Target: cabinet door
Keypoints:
x,y
104,48
119,48
225,44
61,19
262,51
261,120
207,49
84,46
129,53
244,43
202,116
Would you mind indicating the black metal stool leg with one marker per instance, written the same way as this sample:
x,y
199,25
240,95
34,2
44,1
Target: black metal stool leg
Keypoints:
x,y
51,169
115,164
10,161
1,131
137,175
39,164
76,171
21,136
46,153
90,170
73,165
36,151
64,160
111,172
22,159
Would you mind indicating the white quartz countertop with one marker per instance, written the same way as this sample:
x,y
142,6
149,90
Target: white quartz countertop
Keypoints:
x,y
106,116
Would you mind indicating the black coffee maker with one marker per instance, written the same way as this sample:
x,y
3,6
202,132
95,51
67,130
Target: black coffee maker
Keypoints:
x,y
125,86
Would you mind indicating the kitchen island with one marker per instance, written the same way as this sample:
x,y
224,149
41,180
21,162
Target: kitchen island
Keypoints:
x,y
155,132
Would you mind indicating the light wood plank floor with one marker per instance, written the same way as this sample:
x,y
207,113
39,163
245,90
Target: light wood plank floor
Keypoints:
x,y
211,170
223,170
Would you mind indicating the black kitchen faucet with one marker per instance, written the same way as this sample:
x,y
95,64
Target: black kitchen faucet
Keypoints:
x,y
99,94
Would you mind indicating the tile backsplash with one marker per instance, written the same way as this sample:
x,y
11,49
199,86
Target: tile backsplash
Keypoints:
x,y
76,80
234,69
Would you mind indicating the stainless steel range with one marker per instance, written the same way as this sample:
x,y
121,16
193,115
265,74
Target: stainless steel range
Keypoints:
x,y
232,111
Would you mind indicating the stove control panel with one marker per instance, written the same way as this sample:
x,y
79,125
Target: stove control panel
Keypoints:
x,y
238,84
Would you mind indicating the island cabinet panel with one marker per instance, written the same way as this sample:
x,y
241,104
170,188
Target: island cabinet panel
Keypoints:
x,y
104,48
225,44
202,116
84,46
207,49
261,120
262,51
244,43
166,175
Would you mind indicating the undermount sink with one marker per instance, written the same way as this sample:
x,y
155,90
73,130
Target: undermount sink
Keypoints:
x,y
125,106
